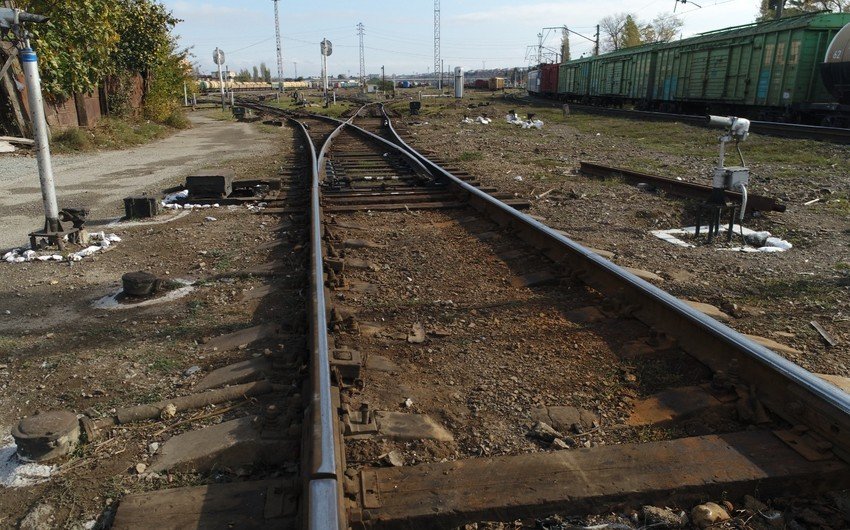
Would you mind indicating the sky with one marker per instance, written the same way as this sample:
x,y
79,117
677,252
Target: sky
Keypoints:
x,y
399,35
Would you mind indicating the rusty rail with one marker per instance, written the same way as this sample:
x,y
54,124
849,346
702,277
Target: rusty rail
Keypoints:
x,y
789,391
323,484
678,187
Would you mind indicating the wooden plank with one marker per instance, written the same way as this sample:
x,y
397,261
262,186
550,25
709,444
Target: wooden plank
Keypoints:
x,y
450,494
217,506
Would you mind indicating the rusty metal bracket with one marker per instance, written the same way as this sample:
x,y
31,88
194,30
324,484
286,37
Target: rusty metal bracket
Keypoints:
x,y
348,364
359,422
369,496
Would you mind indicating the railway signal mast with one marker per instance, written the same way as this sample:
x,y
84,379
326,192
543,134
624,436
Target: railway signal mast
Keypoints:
x,y
279,46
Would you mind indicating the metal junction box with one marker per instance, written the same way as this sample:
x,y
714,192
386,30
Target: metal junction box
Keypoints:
x,y
140,207
210,184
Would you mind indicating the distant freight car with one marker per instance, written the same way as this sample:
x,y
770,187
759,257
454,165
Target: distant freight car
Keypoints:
x,y
496,83
770,70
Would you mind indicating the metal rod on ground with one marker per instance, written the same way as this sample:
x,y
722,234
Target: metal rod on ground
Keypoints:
x,y
29,61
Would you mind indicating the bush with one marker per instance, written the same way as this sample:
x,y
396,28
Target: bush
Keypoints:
x,y
178,120
73,139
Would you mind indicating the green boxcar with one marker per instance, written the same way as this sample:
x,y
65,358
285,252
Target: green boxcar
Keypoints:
x,y
772,66
573,79
624,75
766,70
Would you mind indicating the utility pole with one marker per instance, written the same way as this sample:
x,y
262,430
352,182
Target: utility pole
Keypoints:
x,y
279,46
780,5
540,47
437,42
442,69
383,80
295,66
360,32
596,48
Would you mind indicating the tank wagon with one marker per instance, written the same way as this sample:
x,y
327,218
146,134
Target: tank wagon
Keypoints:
x,y
772,70
247,86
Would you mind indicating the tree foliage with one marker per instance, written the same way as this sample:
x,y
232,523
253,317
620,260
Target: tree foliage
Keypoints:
x,y
630,35
76,45
565,46
86,42
624,30
767,10
663,28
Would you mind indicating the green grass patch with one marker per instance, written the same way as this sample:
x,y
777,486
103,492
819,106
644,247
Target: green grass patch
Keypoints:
x,y
112,133
469,156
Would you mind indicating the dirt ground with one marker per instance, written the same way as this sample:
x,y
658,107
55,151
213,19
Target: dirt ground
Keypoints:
x,y
100,180
57,352
773,295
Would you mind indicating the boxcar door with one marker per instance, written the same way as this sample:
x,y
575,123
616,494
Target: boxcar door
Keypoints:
x,y
697,76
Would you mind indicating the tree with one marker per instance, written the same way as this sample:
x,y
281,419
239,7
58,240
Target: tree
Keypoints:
x,y
265,73
612,29
767,11
565,46
256,74
631,33
663,28
76,45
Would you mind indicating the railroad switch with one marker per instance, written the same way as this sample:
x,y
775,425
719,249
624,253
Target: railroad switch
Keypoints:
x,y
732,178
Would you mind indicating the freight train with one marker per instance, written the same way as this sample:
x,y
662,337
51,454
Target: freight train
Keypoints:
x,y
245,86
795,69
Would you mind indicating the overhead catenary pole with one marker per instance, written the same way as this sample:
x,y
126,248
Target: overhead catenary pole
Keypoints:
x,y
360,32
437,42
596,48
279,46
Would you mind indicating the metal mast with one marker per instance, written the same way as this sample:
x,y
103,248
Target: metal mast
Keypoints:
x,y
360,32
279,45
437,44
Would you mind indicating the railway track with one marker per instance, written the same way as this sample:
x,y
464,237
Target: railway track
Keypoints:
x,y
465,362
838,135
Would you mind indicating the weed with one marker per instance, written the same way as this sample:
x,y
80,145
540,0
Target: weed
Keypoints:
x,y
178,120
164,364
72,140
195,306
469,156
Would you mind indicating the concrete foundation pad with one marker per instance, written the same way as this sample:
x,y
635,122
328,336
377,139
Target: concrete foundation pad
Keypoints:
x,y
230,444
708,309
645,275
671,405
401,426
244,505
773,345
242,337
232,374
379,363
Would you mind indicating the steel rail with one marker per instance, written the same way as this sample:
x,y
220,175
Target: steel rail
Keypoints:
x,y
786,130
794,394
324,484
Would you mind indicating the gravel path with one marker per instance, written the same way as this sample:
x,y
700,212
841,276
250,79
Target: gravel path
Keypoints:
x,y
100,180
